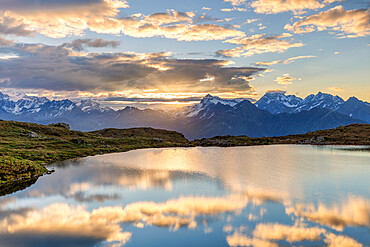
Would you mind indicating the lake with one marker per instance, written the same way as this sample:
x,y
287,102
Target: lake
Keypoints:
x,y
283,195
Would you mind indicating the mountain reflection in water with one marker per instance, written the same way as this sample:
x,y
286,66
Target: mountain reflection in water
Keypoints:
x,y
245,196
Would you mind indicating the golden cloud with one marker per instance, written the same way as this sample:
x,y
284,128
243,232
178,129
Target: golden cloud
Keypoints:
x,y
101,17
64,220
278,6
337,89
259,43
238,239
61,21
333,240
286,79
267,235
288,233
104,223
349,23
286,61
236,2
355,212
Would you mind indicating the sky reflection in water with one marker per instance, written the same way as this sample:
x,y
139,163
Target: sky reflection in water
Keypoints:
x,y
244,196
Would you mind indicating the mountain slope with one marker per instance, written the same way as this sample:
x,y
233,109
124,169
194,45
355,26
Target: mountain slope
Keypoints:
x,y
356,108
212,116
246,119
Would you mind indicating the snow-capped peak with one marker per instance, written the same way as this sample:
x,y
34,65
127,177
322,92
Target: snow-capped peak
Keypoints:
x,y
208,100
278,102
20,103
90,105
322,100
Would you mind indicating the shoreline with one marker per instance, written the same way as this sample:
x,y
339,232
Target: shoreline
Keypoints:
x,y
29,157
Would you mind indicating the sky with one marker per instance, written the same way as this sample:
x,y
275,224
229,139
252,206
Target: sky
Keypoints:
x,y
162,53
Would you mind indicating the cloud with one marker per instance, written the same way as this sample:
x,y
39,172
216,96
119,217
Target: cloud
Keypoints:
x,y
236,2
288,233
234,9
5,42
11,26
258,44
267,235
79,44
104,223
73,19
249,21
286,79
286,61
238,239
278,6
337,89
34,4
354,212
67,221
348,23
333,240
59,69
272,91
60,20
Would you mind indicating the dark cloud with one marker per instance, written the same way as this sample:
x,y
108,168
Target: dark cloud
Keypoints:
x,y
57,68
5,42
80,44
10,26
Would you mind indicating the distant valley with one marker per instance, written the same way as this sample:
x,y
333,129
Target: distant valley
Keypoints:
x,y
275,114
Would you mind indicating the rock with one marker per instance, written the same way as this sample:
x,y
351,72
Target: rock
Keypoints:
x,y
157,140
32,134
78,141
316,140
61,125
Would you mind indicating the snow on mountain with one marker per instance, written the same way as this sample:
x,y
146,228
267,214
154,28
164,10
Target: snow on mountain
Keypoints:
x,y
278,102
21,103
320,100
90,106
29,103
57,108
3,96
205,103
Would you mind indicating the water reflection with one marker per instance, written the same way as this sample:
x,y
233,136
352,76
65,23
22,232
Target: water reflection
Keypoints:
x,y
251,196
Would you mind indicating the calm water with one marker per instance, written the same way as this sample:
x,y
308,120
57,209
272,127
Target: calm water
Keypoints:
x,y
244,196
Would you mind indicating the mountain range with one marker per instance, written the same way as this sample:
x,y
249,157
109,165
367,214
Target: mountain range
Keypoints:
x,y
274,114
